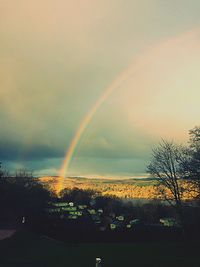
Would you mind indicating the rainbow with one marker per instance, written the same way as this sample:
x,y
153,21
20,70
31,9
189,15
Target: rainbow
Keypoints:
x,y
116,84
129,72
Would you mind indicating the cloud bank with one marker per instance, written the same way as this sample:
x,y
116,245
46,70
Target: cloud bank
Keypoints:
x,y
57,58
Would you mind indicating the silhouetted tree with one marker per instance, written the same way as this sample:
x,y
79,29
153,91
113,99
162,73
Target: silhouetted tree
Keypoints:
x,y
77,195
3,172
191,163
1,169
166,166
22,195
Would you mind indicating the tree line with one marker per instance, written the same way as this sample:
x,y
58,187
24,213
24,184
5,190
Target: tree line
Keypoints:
x,y
22,195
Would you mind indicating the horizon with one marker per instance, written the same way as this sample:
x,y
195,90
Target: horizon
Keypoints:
x,y
95,177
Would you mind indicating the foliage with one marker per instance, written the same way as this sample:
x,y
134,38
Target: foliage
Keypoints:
x,y
22,195
77,195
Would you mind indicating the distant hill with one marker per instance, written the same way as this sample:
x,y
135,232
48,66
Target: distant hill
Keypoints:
x,y
124,188
139,188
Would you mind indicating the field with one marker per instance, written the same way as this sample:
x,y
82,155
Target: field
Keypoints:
x,y
129,188
30,250
124,188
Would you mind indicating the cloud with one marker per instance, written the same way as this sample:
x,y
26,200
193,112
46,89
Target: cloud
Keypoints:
x,y
58,56
11,151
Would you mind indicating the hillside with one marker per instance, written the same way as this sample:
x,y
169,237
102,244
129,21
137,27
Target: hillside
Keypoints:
x,y
125,188
129,188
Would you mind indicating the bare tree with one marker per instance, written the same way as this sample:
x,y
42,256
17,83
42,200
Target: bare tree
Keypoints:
x,y
166,166
191,163
25,177
3,172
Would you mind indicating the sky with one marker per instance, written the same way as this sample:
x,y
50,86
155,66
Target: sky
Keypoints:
x,y
57,59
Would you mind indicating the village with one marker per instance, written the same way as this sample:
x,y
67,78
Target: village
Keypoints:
x,y
100,219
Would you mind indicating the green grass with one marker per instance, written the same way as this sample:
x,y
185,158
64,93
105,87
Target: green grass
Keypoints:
x,y
29,250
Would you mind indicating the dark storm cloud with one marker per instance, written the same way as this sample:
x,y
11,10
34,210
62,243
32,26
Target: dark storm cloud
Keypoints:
x,y
12,151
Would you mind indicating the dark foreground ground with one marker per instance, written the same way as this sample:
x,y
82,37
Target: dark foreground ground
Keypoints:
x,y
25,249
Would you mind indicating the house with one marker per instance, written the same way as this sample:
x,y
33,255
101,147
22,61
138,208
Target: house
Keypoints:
x,y
116,224
82,207
69,209
91,211
72,217
169,222
61,204
113,226
135,221
77,213
100,211
120,218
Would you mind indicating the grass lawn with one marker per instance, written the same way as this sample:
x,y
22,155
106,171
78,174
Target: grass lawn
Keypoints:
x,y
28,250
